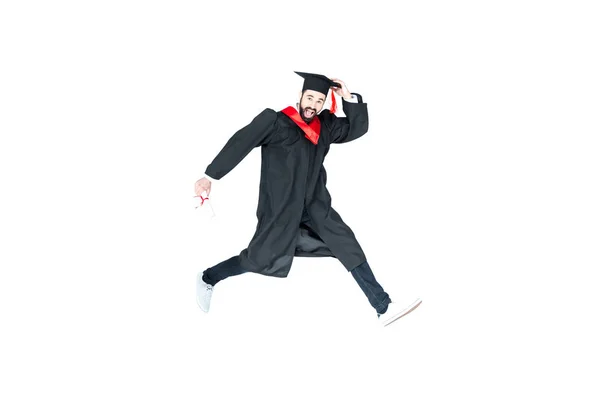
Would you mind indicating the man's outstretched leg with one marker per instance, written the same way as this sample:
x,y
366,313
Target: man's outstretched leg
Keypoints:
x,y
205,281
387,311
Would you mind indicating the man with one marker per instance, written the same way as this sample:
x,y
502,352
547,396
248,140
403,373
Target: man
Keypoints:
x,y
295,217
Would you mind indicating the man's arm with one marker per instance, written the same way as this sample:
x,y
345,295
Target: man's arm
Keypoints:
x,y
255,134
356,122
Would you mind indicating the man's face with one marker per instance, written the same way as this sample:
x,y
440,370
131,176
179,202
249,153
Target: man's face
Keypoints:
x,y
311,103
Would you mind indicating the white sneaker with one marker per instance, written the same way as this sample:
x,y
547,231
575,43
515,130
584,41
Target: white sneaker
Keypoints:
x,y
397,310
203,293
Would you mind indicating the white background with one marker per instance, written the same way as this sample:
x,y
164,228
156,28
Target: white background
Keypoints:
x,y
475,188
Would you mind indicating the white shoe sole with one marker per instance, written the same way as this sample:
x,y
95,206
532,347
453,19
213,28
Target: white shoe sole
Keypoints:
x,y
402,313
198,286
200,305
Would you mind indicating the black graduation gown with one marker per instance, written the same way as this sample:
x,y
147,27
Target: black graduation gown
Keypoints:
x,y
295,217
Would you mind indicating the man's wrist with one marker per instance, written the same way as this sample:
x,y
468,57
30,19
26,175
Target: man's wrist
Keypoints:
x,y
211,179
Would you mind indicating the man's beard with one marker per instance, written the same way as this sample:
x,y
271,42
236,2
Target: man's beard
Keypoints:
x,y
307,119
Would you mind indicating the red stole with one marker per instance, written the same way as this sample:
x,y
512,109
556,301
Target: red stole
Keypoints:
x,y
312,130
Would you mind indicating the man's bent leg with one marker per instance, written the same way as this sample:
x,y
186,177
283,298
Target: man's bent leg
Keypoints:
x,y
223,270
378,298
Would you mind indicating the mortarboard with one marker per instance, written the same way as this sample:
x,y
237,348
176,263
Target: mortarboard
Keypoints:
x,y
321,84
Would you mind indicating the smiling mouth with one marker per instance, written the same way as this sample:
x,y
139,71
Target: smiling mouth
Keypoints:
x,y
309,113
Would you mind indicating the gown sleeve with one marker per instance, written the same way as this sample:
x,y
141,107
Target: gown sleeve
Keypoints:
x,y
259,132
351,127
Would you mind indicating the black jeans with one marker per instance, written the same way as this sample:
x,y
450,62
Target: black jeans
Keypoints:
x,y
223,270
378,298
363,275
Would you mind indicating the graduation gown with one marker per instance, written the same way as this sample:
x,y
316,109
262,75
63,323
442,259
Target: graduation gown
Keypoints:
x,y
294,212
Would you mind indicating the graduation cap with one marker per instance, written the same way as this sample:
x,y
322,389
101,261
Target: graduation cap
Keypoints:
x,y
321,84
